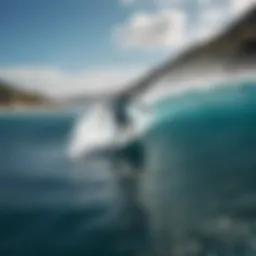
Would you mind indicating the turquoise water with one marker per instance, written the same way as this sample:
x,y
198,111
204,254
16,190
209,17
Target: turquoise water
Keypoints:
x,y
198,183
200,180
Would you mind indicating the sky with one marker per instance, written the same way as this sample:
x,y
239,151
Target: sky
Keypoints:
x,y
63,47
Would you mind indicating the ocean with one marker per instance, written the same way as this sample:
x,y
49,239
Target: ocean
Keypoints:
x,y
49,204
197,184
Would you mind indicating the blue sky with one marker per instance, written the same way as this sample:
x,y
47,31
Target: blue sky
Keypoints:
x,y
67,34
65,46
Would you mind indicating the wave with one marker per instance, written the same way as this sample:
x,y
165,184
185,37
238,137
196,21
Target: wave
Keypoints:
x,y
97,132
199,184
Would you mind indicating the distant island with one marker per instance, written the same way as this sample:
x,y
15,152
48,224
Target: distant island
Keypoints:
x,y
11,97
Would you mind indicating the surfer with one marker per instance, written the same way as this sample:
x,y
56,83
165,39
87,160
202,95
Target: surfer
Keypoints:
x,y
132,152
121,116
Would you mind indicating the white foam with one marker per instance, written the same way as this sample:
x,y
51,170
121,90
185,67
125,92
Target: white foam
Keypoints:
x,y
97,131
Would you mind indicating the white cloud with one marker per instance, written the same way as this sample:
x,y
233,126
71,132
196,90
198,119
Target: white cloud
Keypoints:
x,y
241,6
143,29
215,17
209,21
56,82
169,26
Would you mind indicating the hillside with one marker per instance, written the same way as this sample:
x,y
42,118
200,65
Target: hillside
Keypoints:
x,y
233,49
13,97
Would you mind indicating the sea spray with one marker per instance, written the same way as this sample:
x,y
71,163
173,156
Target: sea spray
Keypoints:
x,y
96,131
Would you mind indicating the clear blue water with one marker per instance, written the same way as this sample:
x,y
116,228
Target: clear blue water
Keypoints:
x,y
199,166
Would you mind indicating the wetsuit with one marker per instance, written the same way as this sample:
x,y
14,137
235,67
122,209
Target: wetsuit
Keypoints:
x,y
120,112
133,152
